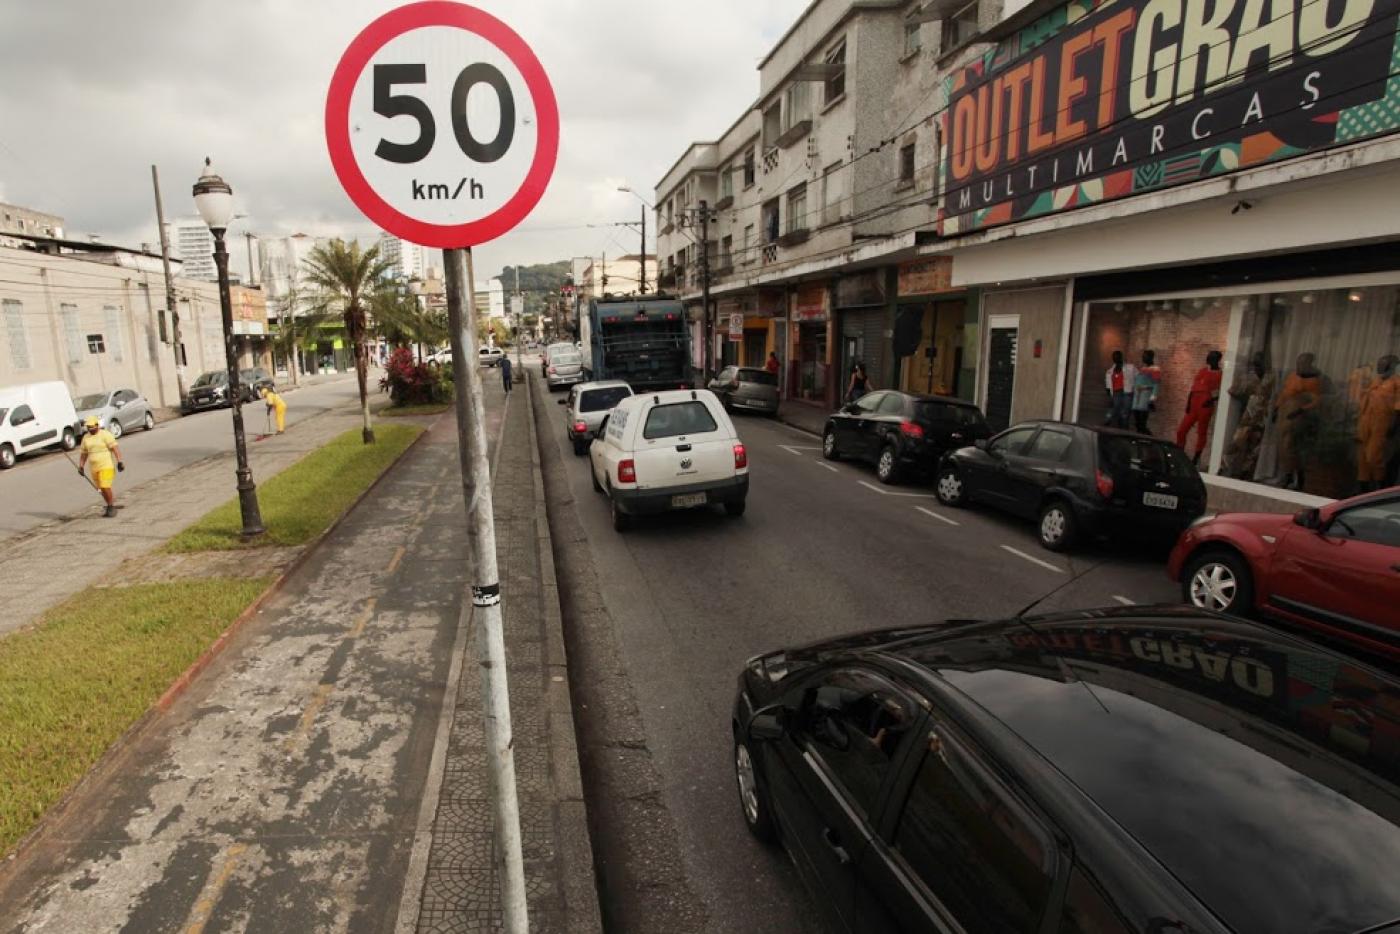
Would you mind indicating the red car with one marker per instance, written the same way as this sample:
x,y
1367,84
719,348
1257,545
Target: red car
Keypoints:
x,y
1334,569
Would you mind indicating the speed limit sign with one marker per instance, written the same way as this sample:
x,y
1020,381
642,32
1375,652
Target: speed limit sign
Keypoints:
x,y
442,125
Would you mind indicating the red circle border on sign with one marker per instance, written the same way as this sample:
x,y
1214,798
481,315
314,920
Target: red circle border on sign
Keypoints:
x,y
370,40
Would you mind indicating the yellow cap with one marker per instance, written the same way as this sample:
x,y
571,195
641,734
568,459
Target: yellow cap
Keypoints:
x,y
91,421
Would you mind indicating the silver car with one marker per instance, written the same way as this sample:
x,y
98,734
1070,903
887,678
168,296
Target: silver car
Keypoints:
x,y
746,387
563,368
119,410
589,404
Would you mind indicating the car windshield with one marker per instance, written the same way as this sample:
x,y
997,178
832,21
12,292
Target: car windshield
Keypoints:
x,y
680,418
565,359
600,400
761,377
95,401
212,378
1145,454
963,416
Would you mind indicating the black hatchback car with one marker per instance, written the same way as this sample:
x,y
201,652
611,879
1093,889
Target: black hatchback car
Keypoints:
x,y
1078,480
1105,772
901,433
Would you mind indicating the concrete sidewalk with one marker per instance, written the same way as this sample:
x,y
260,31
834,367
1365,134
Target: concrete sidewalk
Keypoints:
x,y
804,415
325,772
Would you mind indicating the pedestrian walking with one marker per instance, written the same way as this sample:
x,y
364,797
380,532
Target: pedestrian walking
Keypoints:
x,y
772,366
859,384
505,373
100,449
275,406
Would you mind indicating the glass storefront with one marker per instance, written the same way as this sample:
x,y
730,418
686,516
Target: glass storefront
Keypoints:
x,y
1296,387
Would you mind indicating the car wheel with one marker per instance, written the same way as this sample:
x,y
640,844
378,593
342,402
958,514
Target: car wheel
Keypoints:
x,y
620,520
593,475
70,440
753,803
829,445
150,421
887,467
735,509
7,457
580,448
115,427
1219,580
1057,525
949,489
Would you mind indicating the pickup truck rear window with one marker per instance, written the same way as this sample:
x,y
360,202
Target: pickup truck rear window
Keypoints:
x,y
600,400
680,418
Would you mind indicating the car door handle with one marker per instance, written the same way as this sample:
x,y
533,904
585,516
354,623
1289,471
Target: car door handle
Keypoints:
x,y
834,842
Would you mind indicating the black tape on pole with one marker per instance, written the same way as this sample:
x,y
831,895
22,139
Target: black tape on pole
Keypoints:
x,y
490,595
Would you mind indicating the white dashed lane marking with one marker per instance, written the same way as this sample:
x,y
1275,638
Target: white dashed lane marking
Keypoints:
x,y
1033,559
1124,600
940,518
875,489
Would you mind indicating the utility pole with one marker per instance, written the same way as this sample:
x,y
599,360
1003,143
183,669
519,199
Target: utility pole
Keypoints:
x,y
644,250
705,289
252,279
603,288
485,608
169,290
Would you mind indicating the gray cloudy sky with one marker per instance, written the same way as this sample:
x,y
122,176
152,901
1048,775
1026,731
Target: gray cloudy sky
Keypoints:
x,y
97,91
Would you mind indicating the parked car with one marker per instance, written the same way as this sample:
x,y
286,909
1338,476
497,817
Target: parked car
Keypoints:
x,y
662,451
563,368
210,390
117,410
588,404
558,347
747,387
1126,770
1335,570
35,416
490,356
902,433
1078,481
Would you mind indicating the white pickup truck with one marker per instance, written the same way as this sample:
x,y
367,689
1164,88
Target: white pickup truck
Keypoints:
x,y
490,356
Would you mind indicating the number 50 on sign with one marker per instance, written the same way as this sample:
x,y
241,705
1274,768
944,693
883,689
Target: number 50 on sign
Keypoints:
x,y
442,125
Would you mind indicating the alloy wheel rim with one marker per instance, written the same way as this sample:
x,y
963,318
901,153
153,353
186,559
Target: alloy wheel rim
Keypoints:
x,y
950,487
1052,527
748,786
1213,587
116,428
886,464
829,443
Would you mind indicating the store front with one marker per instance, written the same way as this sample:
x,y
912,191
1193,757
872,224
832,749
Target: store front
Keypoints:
x,y
928,329
864,327
808,376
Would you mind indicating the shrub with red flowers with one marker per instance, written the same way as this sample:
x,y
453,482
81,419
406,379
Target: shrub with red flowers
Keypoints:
x,y
412,383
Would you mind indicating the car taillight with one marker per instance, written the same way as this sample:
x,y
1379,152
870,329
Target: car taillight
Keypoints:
x,y
741,457
551,369
627,472
911,429
1104,483
580,427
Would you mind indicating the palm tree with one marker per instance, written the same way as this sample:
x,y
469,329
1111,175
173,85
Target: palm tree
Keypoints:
x,y
400,320
345,278
297,328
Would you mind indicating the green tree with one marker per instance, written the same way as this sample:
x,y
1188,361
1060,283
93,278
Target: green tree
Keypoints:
x,y
345,278
400,320
295,331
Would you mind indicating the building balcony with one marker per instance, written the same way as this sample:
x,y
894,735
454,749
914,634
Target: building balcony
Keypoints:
x,y
726,202
795,236
794,133
770,253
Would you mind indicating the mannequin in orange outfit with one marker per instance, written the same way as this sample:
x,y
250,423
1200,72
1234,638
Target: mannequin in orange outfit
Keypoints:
x,y
1200,404
1297,403
1376,422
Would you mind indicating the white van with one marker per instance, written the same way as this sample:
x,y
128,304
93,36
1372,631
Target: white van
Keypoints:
x,y
34,416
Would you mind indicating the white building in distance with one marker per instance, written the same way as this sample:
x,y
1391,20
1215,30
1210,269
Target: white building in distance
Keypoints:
x,y
408,259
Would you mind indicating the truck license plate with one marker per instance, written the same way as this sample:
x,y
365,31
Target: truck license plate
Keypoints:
x,y
1160,500
687,500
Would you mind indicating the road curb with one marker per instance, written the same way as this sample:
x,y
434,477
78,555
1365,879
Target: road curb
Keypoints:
x,y
580,874
802,428
119,747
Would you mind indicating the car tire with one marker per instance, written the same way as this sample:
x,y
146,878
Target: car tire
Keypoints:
x,y
593,475
7,457
70,439
1057,528
735,509
950,487
580,448
753,800
829,450
115,427
149,422
1219,580
621,521
887,468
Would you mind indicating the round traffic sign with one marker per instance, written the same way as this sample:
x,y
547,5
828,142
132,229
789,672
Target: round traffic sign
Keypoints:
x,y
442,124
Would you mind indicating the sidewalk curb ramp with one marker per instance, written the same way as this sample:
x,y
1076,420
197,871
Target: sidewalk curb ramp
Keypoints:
x,y
111,757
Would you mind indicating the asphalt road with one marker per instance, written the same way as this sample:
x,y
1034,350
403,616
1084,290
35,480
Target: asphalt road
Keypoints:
x,y
823,549
44,487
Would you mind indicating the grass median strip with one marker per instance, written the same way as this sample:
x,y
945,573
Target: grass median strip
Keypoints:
x,y
73,683
303,500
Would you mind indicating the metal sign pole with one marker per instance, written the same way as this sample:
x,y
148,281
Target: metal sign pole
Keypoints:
x,y
486,591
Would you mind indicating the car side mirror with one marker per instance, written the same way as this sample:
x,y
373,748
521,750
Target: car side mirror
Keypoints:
x,y
1307,518
768,724
849,408
980,444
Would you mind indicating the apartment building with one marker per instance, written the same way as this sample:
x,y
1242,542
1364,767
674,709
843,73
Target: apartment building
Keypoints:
x,y
408,260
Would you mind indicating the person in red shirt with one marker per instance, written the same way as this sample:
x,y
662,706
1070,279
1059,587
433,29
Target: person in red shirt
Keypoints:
x,y
1200,404
772,365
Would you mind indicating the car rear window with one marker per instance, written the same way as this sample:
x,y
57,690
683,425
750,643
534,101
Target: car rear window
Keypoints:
x,y
762,377
212,378
679,418
599,400
565,359
1118,452
964,416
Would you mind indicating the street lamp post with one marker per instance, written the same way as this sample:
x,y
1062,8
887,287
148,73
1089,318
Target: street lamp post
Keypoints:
x,y
214,199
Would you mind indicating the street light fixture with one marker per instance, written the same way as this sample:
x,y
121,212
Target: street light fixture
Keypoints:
x,y
213,198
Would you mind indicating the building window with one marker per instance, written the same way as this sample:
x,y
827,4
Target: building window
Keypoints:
x,y
748,243
770,221
795,105
95,344
959,28
906,164
749,168
913,38
835,84
15,335
772,125
797,208
726,252
726,182
668,212
833,194
114,329
72,333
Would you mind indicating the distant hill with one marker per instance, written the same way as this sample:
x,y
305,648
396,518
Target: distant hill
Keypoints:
x,y
539,283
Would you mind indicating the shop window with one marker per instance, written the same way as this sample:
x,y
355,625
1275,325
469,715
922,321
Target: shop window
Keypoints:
x,y
1307,396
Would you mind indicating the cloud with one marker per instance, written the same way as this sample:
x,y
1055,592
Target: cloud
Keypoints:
x,y
99,91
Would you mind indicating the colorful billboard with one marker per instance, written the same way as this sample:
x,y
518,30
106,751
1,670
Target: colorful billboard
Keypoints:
x,y
1103,100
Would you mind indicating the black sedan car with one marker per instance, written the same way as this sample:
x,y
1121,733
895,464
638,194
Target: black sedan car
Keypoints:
x,y
210,390
901,433
1078,480
1117,771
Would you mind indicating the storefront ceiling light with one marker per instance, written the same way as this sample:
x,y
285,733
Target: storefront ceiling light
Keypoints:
x,y
1307,298
1356,295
